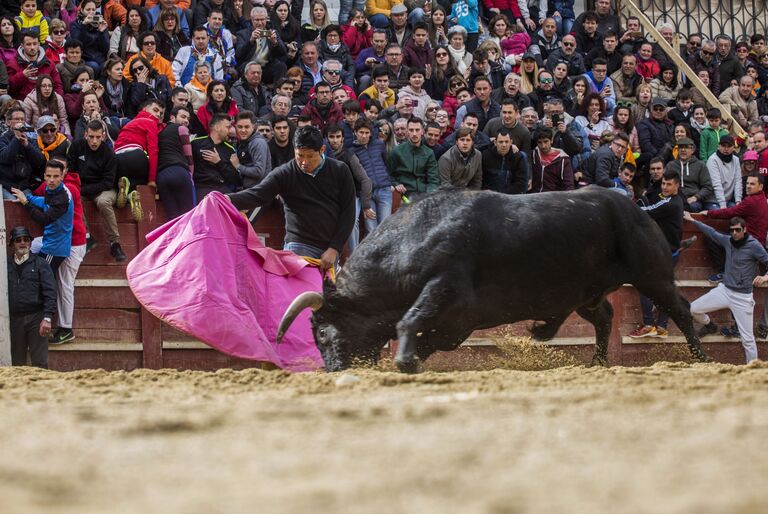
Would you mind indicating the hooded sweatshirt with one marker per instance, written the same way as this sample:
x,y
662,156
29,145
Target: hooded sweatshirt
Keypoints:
x,y
694,179
726,179
555,176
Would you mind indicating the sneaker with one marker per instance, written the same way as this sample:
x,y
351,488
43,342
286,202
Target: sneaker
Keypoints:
x,y
135,201
687,243
662,332
707,329
123,186
90,243
732,331
761,332
61,336
716,278
117,252
644,331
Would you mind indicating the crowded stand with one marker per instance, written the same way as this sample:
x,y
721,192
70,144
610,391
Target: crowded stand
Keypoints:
x,y
191,97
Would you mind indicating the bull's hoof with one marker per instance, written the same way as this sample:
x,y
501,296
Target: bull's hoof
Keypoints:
x,y
409,366
699,355
544,331
599,360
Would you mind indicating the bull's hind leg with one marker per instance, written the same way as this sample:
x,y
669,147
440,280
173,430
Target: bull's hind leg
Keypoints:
x,y
600,314
438,300
666,297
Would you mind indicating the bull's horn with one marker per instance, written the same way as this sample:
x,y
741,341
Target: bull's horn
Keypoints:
x,y
308,299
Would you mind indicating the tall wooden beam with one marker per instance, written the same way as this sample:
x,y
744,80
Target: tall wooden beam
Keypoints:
x,y
737,129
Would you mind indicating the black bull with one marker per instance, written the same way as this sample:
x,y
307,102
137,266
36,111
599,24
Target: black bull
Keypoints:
x,y
458,261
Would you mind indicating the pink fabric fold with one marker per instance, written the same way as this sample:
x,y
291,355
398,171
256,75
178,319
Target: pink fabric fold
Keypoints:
x,y
207,273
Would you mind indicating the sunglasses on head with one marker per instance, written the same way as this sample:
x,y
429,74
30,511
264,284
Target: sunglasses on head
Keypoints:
x,y
624,103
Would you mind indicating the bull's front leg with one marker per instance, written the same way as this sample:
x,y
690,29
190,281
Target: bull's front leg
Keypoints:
x,y
437,300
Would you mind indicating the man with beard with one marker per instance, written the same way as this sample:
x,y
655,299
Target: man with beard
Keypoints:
x,y
32,301
505,170
322,109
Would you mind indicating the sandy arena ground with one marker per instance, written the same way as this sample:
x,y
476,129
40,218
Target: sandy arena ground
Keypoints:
x,y
672,437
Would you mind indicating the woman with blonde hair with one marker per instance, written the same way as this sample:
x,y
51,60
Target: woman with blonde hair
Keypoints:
x,y
170,38
529,75
318,20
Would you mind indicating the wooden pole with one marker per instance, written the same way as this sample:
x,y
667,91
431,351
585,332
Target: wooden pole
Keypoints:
x,y
5,319
737,129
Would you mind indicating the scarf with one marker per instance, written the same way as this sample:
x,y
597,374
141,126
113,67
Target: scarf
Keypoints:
x,y
115,94
725,158
197,84
458,58
60,138
698,126
334,48
741,242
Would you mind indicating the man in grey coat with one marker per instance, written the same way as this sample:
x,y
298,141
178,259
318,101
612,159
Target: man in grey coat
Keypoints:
x,y
462,164
252,160
743,254
694,177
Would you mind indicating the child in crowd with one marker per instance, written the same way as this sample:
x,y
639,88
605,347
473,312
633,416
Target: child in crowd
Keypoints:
x,y
31,20
351,110
515,44
710,136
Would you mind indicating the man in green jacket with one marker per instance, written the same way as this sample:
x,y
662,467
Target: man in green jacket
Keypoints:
x,y
412,165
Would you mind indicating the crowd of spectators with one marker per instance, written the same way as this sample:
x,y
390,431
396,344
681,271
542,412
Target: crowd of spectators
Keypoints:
x,y
516,97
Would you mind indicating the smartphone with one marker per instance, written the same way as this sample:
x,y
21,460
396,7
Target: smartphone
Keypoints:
x,y
97,19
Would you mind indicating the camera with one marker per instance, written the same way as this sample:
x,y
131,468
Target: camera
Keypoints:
x,y
556,118
97,19
26,128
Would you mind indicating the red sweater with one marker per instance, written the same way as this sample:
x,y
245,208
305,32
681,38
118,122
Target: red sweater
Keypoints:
x,y
142,131
754,210
72,183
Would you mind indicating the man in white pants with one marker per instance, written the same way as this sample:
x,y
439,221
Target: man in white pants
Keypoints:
x,y
743,253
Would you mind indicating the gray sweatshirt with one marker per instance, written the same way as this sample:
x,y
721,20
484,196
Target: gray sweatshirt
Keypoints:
x,y
740,263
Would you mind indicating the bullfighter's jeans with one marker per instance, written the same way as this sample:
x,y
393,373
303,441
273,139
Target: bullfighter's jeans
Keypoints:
x,y
742,306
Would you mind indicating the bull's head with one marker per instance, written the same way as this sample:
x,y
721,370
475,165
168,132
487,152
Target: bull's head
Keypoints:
x,y
337,345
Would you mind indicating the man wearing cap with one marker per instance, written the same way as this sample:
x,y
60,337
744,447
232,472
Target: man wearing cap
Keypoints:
x,y
52,143
654,132
398,31
725,173
32,301
20,160
694,177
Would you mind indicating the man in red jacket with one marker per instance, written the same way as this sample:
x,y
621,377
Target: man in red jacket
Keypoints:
x,y
30,63
761,147
754,210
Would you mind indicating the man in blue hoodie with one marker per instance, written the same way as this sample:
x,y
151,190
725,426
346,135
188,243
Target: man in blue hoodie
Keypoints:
x,y
54,211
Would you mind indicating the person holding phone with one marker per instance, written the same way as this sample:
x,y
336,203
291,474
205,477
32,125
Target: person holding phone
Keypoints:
x,y
90,29
29,64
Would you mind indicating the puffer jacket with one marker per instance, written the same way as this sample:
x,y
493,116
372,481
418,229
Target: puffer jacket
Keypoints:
x,y
356,40
373,158
556,176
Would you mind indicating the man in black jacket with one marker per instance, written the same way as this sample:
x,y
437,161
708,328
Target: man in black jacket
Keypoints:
x,y
505,170
261,45
21,161
95,162
213,160
603,164
32,301
319,196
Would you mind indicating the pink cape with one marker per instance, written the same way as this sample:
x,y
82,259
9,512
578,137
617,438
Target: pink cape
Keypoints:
x,y
208,274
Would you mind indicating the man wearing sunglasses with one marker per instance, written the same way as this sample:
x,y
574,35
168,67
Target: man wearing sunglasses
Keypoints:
x,y
704,59
32,301
567,53
50,141
743,254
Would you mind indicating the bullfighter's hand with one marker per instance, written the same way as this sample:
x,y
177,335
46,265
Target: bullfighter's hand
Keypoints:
x,y
328,259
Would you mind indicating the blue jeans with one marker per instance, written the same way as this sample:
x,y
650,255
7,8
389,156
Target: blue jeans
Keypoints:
x,y
564,25
381,198
416,16
304,250
647,305
699,206
354,236
345,6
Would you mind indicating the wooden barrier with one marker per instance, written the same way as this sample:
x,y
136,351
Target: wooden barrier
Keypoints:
x,y
114,332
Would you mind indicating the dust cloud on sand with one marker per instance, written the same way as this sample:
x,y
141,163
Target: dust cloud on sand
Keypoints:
x,y
672,437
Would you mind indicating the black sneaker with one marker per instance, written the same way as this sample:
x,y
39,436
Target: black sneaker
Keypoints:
x,y
732,331
761,332
61,336
90,243
117,252
709,328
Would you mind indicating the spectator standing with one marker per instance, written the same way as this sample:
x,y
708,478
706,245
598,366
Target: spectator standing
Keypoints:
x,y
505,169
30,20
412,165
725,173
461,165
55,212
743,254
262,44
371,152
319,196
32,301
175,164
252,159
213,160
709,137
551,166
